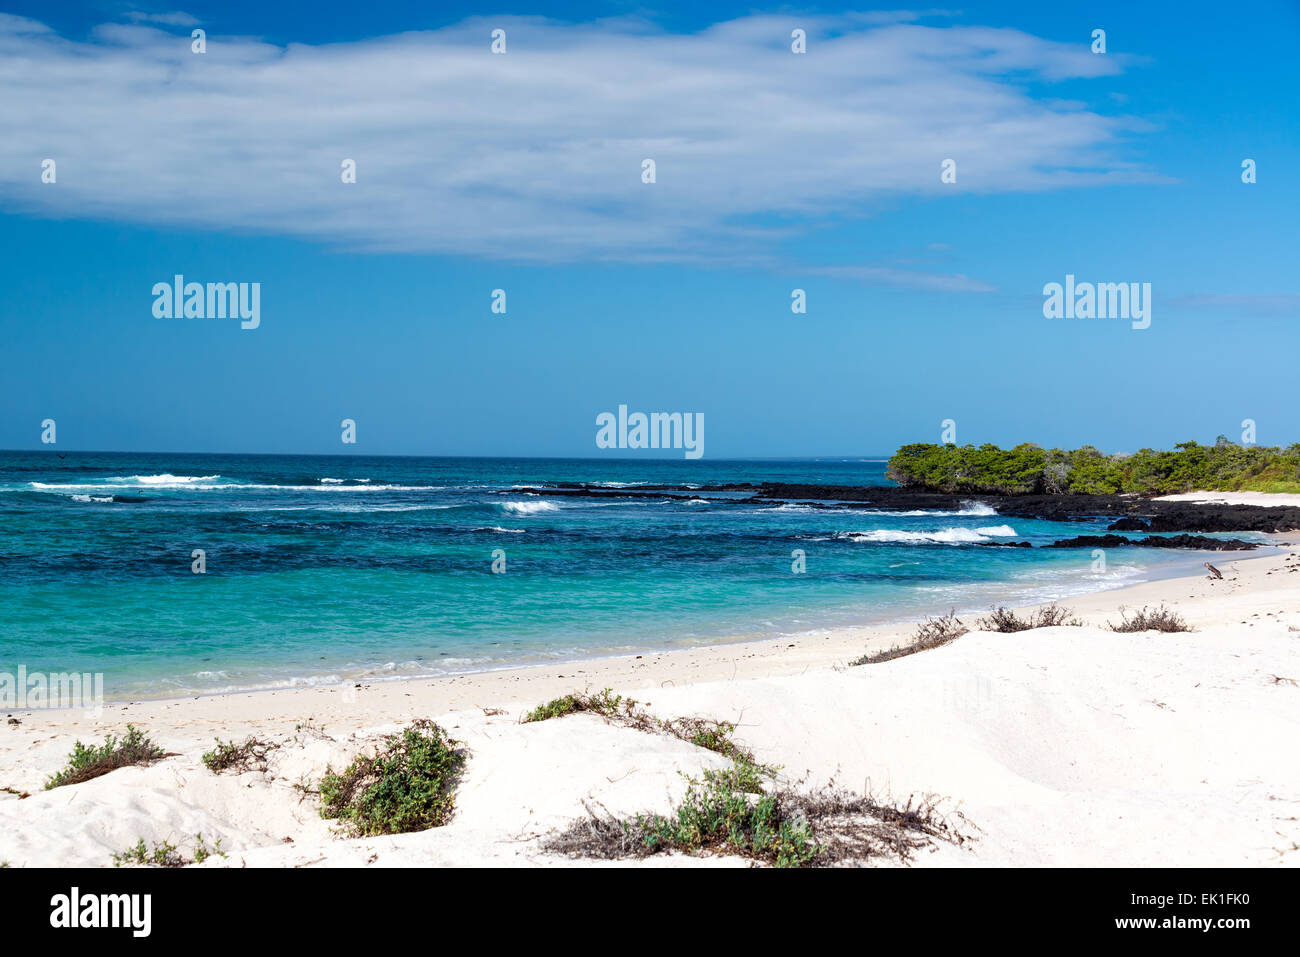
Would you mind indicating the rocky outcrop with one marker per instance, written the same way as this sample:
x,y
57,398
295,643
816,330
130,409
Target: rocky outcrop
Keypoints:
x,y
1197,542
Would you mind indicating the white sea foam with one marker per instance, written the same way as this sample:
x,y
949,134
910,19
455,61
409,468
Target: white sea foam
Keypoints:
x,y
163,481
166,478
529,508
945,536
968,508
499,529
202,484
346,509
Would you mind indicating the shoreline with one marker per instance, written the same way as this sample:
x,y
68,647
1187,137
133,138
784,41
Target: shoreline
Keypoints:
x,y
1058,746
814,648
707,647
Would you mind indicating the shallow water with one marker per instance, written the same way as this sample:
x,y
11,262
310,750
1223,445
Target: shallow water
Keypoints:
x,y
331,567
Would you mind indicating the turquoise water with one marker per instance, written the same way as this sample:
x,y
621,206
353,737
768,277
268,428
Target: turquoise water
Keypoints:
x,y
326,568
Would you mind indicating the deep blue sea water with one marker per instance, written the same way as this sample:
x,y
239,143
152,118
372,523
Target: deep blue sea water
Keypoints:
x,y
326,568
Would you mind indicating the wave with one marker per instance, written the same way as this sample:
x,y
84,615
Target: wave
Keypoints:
x,y
348,509
529,508
946,536
86,497
977,509
208,483
165,480
499,529
349,488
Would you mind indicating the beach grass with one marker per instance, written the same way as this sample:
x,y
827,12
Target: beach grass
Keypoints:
x,y
1150,619
247,756
931,633
604,703
166,854
86,763
1006,621
708,733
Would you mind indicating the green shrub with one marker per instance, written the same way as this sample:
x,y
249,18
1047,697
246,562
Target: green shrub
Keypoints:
x,y
707,733
731,812
86,763
604,703
717,814
715,736
238,757
406,786
1224,466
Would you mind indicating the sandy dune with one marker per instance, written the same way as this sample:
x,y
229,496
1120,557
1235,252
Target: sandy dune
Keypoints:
x,y
1061,746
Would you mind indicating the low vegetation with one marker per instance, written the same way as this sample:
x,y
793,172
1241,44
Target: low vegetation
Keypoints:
x,y
707,733
1031,469
407,785
729,811
1150,619
931,633
1006,621
85,763
166,854
248,756
605,704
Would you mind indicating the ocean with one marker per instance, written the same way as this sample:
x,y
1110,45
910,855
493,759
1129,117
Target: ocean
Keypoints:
x,y
322,569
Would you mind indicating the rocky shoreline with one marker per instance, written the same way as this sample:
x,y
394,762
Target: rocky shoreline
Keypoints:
x,y
1131,513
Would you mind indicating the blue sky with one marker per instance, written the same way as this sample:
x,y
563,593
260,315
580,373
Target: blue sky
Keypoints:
x,y
522,172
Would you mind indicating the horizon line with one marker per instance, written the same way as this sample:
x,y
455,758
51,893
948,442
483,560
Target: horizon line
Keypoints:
x,y
416,455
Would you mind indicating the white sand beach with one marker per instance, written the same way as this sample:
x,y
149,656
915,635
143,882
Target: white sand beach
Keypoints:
x,y
1065,746
1274,499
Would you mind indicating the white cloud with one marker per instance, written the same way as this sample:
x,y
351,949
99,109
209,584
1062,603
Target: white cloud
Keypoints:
x,y
536,154
176,18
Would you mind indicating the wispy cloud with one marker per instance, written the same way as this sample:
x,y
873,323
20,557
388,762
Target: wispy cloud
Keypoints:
x,y
907,278
536,154
1251,304
175,18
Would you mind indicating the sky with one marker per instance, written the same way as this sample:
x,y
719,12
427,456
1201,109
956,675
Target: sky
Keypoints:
x,y
522,171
